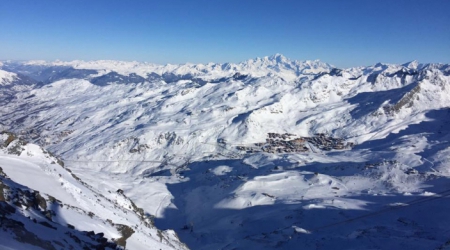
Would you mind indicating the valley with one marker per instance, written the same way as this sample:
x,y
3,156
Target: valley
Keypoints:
x,y
269,153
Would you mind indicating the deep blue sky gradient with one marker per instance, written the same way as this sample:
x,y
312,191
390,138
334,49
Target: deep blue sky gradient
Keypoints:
x,y
344,33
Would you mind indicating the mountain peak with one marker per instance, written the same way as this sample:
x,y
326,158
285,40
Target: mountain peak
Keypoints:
x,y
411,65
278,58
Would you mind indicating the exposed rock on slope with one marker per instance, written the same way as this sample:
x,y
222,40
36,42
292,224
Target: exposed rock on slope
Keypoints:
x,y
52,208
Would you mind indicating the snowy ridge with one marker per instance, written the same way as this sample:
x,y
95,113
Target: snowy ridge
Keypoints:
x,y
273,65
68,203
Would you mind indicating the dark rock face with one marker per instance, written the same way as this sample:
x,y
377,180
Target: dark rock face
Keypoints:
x,y
22,234
239,77
15,197
126,232
11,143
403,73
336,72
406,101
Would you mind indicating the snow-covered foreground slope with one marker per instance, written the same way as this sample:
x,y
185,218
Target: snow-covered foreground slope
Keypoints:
x,y
44,205
268,153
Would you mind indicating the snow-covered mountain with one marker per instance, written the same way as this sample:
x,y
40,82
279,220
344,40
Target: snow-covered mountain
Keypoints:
x,y
267,153
273,65
44,205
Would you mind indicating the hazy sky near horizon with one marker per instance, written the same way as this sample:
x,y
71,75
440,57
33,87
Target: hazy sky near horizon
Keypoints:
x,y
344,33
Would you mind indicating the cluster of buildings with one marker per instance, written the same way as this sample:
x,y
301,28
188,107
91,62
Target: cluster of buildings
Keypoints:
x,y
289,143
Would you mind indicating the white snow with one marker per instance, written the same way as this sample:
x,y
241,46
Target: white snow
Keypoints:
x,y
6,77
171,147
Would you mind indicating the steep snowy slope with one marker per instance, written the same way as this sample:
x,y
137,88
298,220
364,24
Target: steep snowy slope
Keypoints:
x,y
262,154
46,206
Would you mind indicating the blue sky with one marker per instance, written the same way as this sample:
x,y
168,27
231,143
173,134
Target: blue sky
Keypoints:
x,y
344,33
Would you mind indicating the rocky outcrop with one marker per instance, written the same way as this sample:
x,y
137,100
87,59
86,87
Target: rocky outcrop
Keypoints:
x,y
16,201
407,101
11,143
